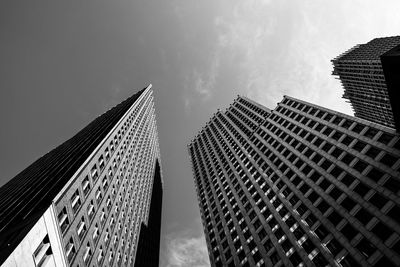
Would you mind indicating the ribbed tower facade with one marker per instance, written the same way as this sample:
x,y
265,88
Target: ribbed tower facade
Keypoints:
x,y
367,78
88,201
300,185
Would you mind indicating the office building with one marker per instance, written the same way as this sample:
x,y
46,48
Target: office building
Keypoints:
x,y
300,185
89,201
369,74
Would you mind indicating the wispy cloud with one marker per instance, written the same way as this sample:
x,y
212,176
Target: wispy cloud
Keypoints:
x,y
204,84
201,85
186,249
285,47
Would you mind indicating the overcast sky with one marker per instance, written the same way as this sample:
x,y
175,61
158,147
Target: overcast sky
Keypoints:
x,y
62,63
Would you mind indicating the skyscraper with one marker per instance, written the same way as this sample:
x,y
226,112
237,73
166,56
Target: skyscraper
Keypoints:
x,y
89,201
369,75
300,184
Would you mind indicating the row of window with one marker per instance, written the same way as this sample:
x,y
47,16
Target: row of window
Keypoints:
x,y
212,194
107,180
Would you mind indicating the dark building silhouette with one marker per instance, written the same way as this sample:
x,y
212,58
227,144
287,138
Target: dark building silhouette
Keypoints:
x,y
300,185
147,254
369,74
84,202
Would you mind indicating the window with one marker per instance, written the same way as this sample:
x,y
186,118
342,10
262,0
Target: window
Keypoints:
x,y
107,154
349,232
371,132
366,248
348,179
359,146
361,189
375,174
321,232
385,138
90,210
392,184
101,163
334,247
105,183
336,135
87,254
358,128
308,246
75,201
81,228
347,140
94,173
107,237
100,256
320,261
63,221
363,216
43,252
394,213
349,261
384,261
274,258
99,196
360,166
389,160
378,200
86,186
372,152
108,203
70,250
96,233
382,231
348,204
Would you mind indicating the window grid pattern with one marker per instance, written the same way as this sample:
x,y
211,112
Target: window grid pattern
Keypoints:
x,y
361,74
297,185
114,192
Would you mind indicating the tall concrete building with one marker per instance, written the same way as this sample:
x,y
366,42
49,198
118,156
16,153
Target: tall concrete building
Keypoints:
x,y
369,74
91,200
300,185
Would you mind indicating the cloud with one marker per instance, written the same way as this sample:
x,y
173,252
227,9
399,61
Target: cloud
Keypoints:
x,y
201,85
285,47
204,85
186,249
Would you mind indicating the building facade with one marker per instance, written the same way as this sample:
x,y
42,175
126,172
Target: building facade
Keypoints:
x,y
87,202
300,185
367,78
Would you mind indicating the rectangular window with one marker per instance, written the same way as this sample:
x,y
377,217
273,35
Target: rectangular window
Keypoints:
x,y
99,196
75,201
107,154
96,233
86,186
112,146
101,163
94,172
81,228
107,237
63,219
87,254
90,210
100,256
43,252
103,216
70,250
108,203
